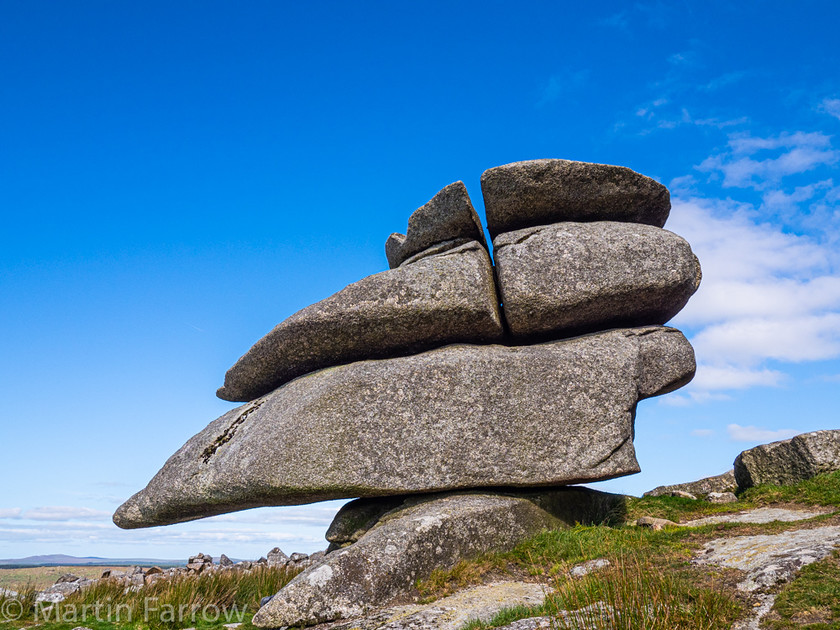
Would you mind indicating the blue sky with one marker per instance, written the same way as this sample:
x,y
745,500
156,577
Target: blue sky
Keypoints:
x,y
176,178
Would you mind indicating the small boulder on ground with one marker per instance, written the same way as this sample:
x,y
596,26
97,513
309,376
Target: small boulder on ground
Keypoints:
x,y
721,497
789,461
720,483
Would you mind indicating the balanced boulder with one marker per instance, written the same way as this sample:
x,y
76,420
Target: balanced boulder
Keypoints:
x,y
571,278
448,218
541,192
789,461
456,417
444,298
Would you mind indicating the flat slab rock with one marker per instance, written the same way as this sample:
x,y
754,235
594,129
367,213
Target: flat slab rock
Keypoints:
x,y
541,192
569,278
458,417
718,483
449,613
758,516
770,559
789,461
447,217
443,298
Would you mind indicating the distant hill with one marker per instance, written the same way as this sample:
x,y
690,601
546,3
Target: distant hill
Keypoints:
x,y
61,559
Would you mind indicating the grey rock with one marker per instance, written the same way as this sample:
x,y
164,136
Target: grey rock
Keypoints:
x,y
719,483
58,592
721,497
540,192
276,558
224,561
201,558
448,216
569,504
298,557
449,613
758,515
681,494
387,561
789,461
569,278
585,568
458,417
444,298
68,578
265,600
355,518
770,559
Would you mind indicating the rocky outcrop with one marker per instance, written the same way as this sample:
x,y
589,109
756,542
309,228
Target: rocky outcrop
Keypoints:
x,y
444,298
541,192
457,417
577,277
448,218
719,483
407,384
789,461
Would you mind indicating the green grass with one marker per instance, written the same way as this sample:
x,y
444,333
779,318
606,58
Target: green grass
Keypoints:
x,y
208,600
811,601
821,490
633,594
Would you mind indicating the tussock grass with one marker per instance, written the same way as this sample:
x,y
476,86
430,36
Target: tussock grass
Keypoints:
x,y
206,600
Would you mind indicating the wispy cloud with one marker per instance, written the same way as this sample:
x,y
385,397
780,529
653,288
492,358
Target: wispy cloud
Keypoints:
x,y
831,106
64,513
737,433
703,433
10,512
797,153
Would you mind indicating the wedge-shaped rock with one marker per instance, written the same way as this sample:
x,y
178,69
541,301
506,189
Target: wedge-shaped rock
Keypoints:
x,y
789,461
444,298
448,217
540,192
570,278
409,543
456,417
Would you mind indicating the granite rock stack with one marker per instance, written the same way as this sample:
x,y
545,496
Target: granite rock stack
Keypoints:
x,y
449,374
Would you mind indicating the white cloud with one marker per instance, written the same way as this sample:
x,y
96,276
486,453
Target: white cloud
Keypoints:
x,y
766,295
751,433
65,513
10,512
831,106
729,377
800,152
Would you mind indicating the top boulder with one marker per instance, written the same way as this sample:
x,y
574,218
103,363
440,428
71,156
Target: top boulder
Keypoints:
x,y
542,192
448,216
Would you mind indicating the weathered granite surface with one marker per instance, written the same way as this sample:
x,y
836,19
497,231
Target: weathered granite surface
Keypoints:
x,y
457,417
568,278
444,298
568,504
719,483
789,461
447,216
407,546
541,192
